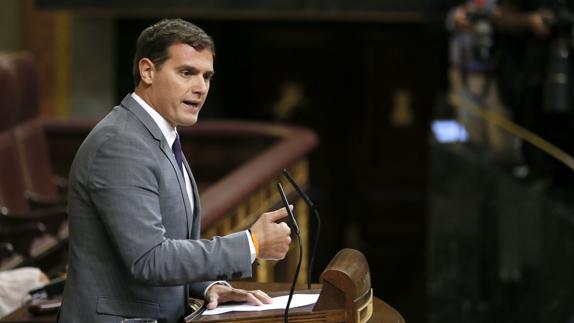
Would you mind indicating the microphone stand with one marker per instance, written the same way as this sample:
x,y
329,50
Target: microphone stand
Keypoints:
x,y
317,218
296,230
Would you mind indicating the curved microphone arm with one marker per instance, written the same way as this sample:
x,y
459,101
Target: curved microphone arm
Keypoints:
x,y
317,219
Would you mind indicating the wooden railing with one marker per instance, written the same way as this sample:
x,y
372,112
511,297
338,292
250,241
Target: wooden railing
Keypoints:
x,y
236,165
235,201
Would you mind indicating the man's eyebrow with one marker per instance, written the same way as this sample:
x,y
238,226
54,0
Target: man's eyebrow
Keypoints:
x,y
194,69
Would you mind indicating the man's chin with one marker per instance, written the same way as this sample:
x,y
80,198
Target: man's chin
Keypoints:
x,y
188,122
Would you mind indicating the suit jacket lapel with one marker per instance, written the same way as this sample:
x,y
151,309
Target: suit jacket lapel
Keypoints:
x,y
129,103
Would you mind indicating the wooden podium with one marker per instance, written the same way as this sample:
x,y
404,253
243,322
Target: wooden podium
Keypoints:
x,y
345,296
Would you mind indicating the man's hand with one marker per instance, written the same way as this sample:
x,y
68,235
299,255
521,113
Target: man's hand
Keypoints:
x,y
273,238
219,294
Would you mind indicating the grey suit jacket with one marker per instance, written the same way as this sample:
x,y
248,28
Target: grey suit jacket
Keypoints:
x,y
133,236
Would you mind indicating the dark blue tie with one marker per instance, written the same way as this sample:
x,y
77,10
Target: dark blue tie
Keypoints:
x,y
176,147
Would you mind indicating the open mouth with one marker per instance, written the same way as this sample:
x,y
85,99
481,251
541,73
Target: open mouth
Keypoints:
x,y
191,104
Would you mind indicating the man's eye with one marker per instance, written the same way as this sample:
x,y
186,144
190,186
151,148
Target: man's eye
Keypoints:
x,y
185,73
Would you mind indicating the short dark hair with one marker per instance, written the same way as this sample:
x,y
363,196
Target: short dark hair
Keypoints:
x,y
154,41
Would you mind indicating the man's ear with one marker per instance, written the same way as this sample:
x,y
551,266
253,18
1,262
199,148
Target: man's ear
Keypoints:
x,y
147,70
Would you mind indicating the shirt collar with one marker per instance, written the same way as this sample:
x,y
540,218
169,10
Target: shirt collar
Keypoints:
x,y
169,132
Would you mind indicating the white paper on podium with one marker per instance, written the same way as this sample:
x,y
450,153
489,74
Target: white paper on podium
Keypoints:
x,y
279,302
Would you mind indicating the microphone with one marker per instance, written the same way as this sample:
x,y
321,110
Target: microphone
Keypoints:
x,y
296,230
317,218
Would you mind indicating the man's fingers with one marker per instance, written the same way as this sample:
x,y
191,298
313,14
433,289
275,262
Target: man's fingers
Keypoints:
x,y
251,299
286,228
273,237
279,214
254,297
262,296
212,303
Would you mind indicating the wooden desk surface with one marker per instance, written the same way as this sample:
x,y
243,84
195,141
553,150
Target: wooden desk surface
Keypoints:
x,y
382,312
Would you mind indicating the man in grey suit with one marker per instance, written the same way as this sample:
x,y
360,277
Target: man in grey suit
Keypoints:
x,y
134,211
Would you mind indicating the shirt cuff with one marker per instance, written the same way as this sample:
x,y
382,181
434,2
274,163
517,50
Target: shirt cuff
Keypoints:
x,y
251,246
219,282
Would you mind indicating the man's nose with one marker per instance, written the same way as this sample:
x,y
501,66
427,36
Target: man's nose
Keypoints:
x,y
199,85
